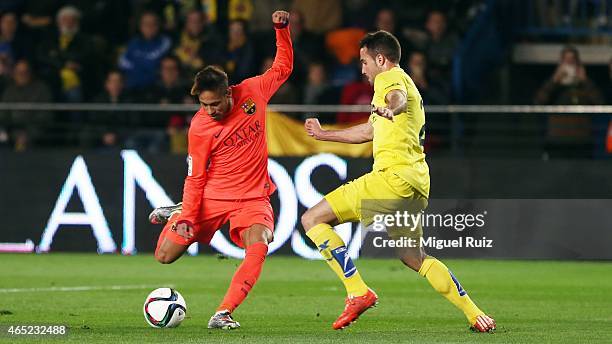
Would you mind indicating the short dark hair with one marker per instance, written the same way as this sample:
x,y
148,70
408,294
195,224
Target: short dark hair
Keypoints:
x,y
211,78
571,49
384,43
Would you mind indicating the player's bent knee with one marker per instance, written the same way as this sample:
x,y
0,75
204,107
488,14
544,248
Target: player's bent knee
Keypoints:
x,y
164,257
308,220
257,234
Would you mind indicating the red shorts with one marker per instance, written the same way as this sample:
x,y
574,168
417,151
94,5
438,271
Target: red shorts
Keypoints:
x,y
241,215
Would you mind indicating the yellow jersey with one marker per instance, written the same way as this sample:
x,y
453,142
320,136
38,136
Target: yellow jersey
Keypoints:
x,y
398,145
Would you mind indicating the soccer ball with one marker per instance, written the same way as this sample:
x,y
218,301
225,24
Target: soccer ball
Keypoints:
x,y
164,307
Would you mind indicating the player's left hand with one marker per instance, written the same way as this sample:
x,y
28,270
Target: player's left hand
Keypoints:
x,y
383,112
280,18
183,229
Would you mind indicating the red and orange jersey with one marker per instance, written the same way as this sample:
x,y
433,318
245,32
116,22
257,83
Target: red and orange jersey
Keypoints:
x,y
228,159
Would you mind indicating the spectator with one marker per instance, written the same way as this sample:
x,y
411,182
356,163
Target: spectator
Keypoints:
x,y
343,44
358,92
320,16
385,20
240,54
67,58
140,61
171,88
103,127
199,44
307,47
287,93
569,136
26,126
434,91
6,72
316,85
318,91
12,44
441,45
114,91
438,43
569,85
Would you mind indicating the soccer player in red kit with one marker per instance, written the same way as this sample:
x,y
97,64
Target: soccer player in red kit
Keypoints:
x,y
227,176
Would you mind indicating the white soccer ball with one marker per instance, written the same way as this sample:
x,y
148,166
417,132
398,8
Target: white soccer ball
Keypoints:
x,y
164,307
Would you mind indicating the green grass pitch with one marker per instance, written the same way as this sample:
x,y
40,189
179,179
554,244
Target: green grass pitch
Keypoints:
x,y
296,301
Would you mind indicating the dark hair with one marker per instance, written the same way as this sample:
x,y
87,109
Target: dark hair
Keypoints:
x,y
384,43
114,71
211,78
573,50
243,23
148,13
173,58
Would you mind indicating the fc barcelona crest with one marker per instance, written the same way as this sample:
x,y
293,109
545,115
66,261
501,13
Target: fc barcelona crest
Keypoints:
x,y
249,107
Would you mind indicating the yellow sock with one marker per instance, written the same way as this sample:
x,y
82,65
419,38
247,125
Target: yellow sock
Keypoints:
x,y
445,283
334,250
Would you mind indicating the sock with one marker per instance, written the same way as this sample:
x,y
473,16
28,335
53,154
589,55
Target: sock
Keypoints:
x,y
334,250
445,283
245,277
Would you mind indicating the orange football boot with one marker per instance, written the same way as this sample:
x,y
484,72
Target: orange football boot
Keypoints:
x,y
355,306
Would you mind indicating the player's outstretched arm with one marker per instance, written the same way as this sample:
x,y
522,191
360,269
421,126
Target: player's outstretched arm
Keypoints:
x,y
356,134
282,66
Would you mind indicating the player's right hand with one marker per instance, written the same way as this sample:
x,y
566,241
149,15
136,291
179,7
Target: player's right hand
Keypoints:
x,y
280,18
183,229
313,128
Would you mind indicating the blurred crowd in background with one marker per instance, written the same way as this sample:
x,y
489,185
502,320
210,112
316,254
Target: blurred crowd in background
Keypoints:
x,y
147,51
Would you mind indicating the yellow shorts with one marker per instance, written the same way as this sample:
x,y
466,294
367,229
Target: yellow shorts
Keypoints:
x,y
376,193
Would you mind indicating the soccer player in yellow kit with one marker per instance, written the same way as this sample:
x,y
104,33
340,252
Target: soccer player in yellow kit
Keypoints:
x,y
400,173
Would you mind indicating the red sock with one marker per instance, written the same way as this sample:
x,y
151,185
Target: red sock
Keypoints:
x,y
245,277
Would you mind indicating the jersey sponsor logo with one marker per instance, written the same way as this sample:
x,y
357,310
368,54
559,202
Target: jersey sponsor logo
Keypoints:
x,y
245,135
249,107
189,165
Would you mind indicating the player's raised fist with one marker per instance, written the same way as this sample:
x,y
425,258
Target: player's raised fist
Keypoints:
x,y
280,18
313,128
